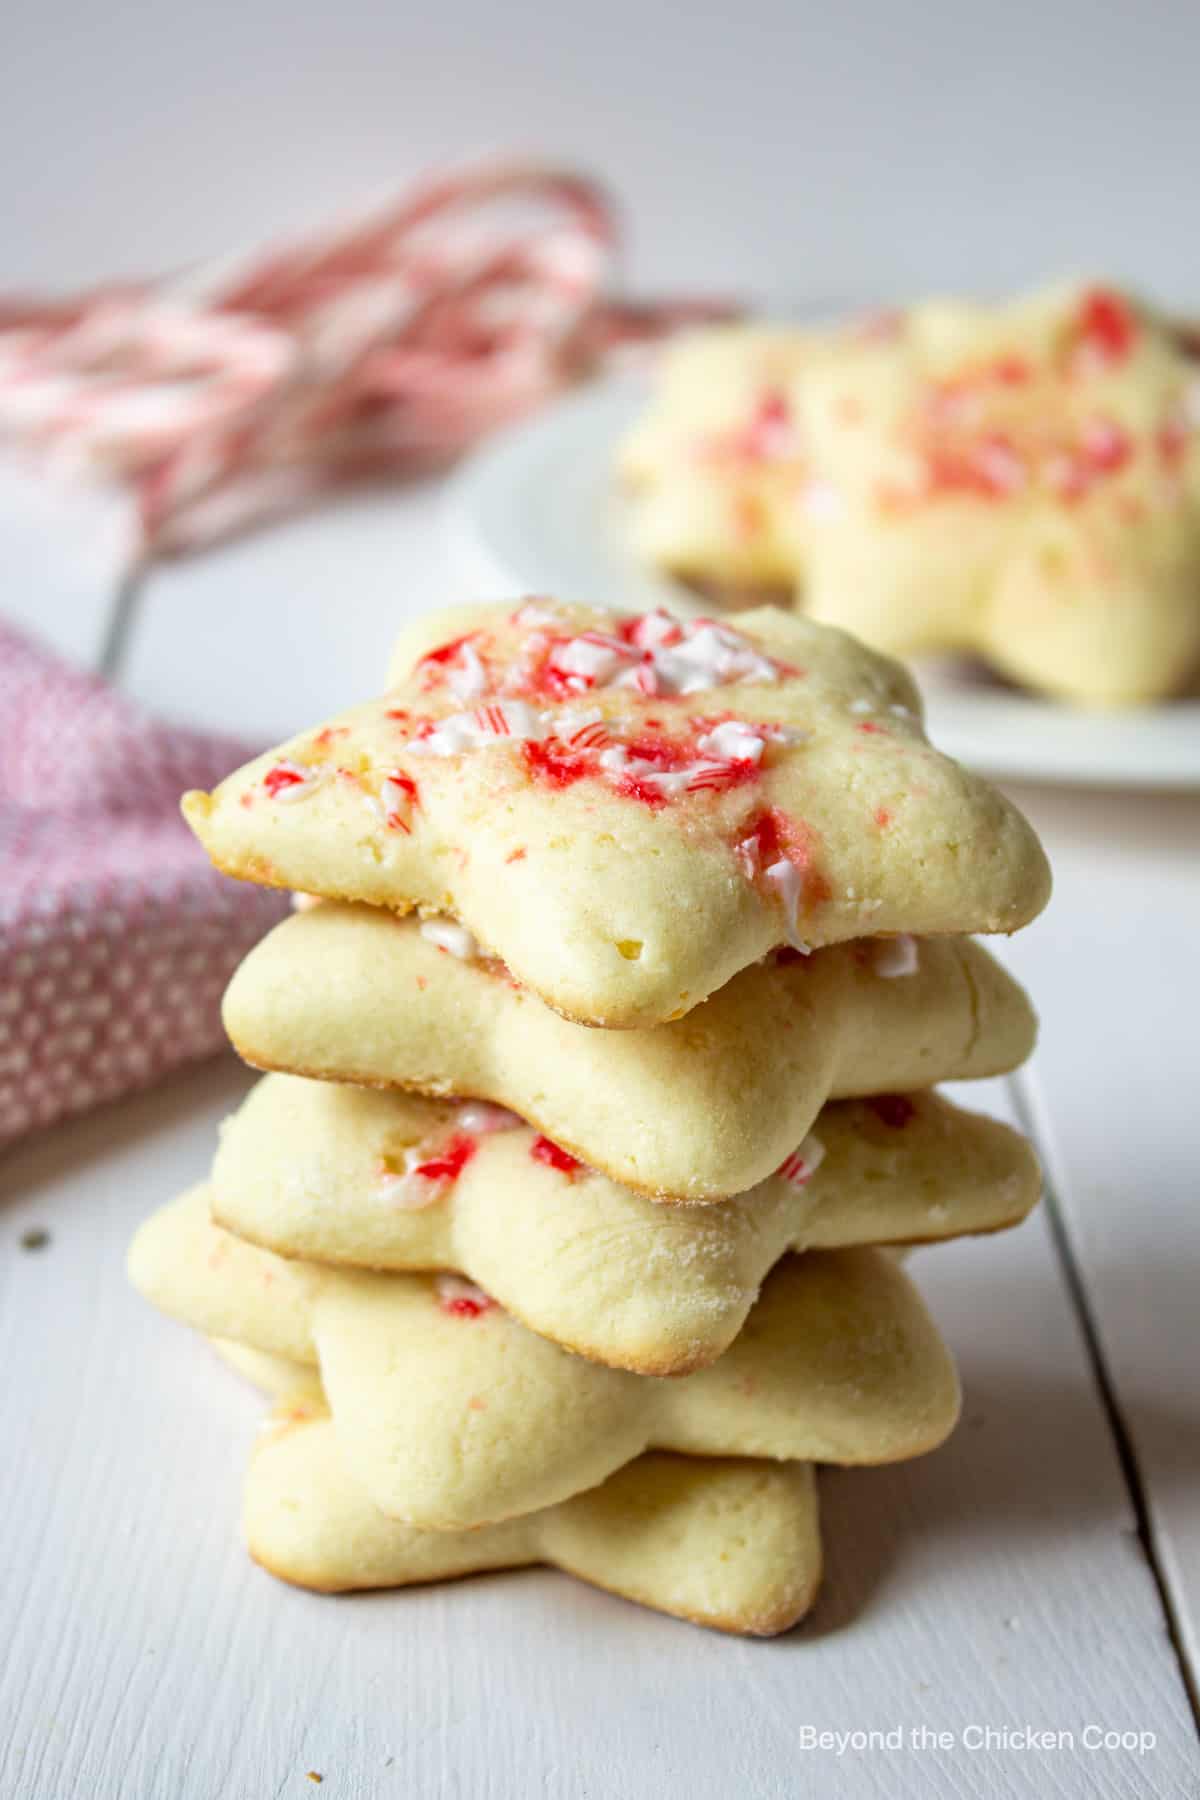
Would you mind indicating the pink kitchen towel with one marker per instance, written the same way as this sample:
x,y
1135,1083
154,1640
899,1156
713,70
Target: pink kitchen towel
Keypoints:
x,y
117,937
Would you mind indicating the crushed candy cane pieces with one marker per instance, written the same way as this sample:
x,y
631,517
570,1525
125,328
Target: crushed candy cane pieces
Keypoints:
x,y
482,1119
543,1150
291,781
895,956
449,935
461,1298
799,1168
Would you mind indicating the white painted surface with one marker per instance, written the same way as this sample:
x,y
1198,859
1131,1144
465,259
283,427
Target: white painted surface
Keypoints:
x,y
807,156
996,1583
1000,1582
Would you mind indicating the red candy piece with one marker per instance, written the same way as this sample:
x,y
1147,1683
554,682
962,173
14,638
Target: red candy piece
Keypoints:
x,y
448,1163
1107,324
447,653
894,1110
554,1156
464,1307
278,778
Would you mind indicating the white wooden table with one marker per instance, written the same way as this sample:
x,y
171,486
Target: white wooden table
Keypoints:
x,y
1039,1574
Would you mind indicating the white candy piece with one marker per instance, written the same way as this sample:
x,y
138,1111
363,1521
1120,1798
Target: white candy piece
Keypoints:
x,y
895,956
481,1118
306,782
799,1168
447,934
784,877
467,680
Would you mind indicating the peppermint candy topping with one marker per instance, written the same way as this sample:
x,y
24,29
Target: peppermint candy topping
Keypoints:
x,y
467,678
427,1174
481,1118
785,878
461,1298
289,781
895,956
397,797
799,1168
449,935
489,723
704,655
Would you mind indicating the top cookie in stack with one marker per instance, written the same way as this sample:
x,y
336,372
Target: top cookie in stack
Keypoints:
x,y
625,811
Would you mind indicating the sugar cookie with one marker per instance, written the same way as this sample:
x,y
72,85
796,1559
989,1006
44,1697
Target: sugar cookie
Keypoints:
x,y
451,1414
699,1109
385,1180
732,1544
629,810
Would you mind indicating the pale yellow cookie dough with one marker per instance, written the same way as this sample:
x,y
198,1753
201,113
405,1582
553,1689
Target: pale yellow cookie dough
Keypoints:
x,y
698,1110
731,1544
451,1414
1019,481
314,1170
1022,481
714,465
625,855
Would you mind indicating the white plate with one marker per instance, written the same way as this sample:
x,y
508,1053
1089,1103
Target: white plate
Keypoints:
x,y
537,511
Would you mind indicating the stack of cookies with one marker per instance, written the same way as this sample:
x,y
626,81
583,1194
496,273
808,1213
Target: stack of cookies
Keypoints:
x,y
602,1069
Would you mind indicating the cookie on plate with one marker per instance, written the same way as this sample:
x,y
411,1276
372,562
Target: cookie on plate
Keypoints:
x,y
626,811
714,465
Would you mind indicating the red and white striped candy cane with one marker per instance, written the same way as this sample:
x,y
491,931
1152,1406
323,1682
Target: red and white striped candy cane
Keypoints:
x,y
381,346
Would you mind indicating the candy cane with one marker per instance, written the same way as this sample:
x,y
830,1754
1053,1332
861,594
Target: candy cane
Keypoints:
x,y
381,346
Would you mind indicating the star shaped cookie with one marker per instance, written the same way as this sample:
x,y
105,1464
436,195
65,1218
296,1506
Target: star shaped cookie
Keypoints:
x,y
343,1175
696,1110
450,1414
714,465
733,1544
1019,481
626,811
1022,482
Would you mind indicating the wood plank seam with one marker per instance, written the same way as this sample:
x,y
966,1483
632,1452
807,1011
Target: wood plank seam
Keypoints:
x,y
1020,1090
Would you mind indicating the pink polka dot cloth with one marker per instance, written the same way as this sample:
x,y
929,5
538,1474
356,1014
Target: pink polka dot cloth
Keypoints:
x,y
117,937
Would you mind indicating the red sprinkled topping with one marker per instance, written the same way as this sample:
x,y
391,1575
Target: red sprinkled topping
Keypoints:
x,y
894,1110
398,795
883,817
646,761
448,1163
330,733
463,1300
447,653
554,1156
772,837
1105,445
1107,324
280,777
1011,371
1171,441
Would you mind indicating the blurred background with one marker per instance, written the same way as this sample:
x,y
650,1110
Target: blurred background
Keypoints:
x,y
785,149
